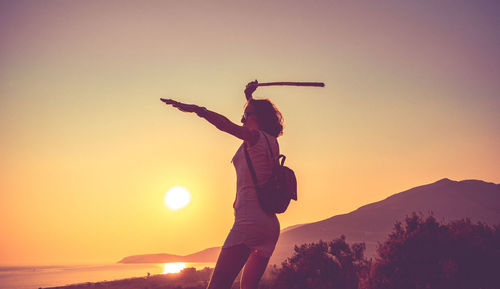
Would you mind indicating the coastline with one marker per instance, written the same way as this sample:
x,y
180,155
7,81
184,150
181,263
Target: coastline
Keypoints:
x,y
189,278
98,275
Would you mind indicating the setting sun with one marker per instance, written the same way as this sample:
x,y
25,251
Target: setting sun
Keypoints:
x,y
177,198
174,267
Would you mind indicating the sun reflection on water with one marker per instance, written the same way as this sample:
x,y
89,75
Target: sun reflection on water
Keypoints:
x,y
174,267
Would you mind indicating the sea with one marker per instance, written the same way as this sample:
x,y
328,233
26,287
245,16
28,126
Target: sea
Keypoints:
x,y
34,277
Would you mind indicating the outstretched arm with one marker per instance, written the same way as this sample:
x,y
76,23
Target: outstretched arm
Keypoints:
x,y
219,121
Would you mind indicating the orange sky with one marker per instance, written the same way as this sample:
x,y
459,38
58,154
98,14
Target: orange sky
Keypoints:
x,y
87,151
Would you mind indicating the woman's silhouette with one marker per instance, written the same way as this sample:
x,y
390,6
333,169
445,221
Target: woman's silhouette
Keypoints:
x,y
252,239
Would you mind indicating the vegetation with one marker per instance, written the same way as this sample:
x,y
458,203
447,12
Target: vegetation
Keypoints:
x,y
323,265
421,253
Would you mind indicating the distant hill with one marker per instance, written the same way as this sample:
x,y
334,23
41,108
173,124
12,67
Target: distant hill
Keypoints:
x,y
446,199
207,255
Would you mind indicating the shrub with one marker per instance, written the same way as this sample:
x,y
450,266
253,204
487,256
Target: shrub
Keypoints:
x,y
425,254
323,265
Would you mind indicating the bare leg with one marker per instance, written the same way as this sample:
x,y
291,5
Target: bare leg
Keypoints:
x,y
254,269
229,264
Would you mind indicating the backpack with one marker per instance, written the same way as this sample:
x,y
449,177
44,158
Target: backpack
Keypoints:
x,y
275,194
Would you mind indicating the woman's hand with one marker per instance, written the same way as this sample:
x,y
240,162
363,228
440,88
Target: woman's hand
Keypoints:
x,y
250,88
181,106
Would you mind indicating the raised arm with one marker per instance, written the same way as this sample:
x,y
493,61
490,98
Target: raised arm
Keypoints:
x,y
219,121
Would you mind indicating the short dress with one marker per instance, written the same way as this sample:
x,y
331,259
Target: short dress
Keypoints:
x,y
252,226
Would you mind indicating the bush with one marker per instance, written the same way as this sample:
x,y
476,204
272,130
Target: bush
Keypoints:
x,y
425,254
323,265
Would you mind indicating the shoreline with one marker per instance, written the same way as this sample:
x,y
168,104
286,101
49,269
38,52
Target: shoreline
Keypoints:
x,y
187,278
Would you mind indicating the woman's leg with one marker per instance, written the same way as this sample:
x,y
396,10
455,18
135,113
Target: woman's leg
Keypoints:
x,y
229,264
254,269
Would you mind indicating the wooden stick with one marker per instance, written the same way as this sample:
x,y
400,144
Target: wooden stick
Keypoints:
x,y
317,84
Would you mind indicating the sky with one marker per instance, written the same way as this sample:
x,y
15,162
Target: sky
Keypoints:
x,y
87,150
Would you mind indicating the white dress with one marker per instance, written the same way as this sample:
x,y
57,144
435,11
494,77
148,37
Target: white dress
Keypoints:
x,y
252,226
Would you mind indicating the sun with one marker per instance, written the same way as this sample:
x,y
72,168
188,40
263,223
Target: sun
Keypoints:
x,y
177,198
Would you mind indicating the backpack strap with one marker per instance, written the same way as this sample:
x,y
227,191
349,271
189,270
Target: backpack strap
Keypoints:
x,y
250,166
249,162
271,151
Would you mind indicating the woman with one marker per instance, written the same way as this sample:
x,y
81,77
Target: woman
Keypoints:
x,y
252,239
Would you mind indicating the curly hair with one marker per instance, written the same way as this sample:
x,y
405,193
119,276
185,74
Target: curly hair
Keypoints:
x,y
269,117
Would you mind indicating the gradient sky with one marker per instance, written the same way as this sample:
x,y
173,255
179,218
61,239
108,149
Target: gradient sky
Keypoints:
x,y
87,150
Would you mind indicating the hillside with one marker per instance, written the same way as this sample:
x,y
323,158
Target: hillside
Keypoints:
x,y
207,255
446,199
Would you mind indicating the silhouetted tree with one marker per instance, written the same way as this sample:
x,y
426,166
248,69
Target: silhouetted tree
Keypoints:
x,y
425,254
323,265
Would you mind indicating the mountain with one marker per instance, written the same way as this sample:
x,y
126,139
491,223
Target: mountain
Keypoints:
x,y
151,258
446,199
208,255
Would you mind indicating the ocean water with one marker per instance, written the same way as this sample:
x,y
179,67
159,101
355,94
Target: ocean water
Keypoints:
x,y
34,277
